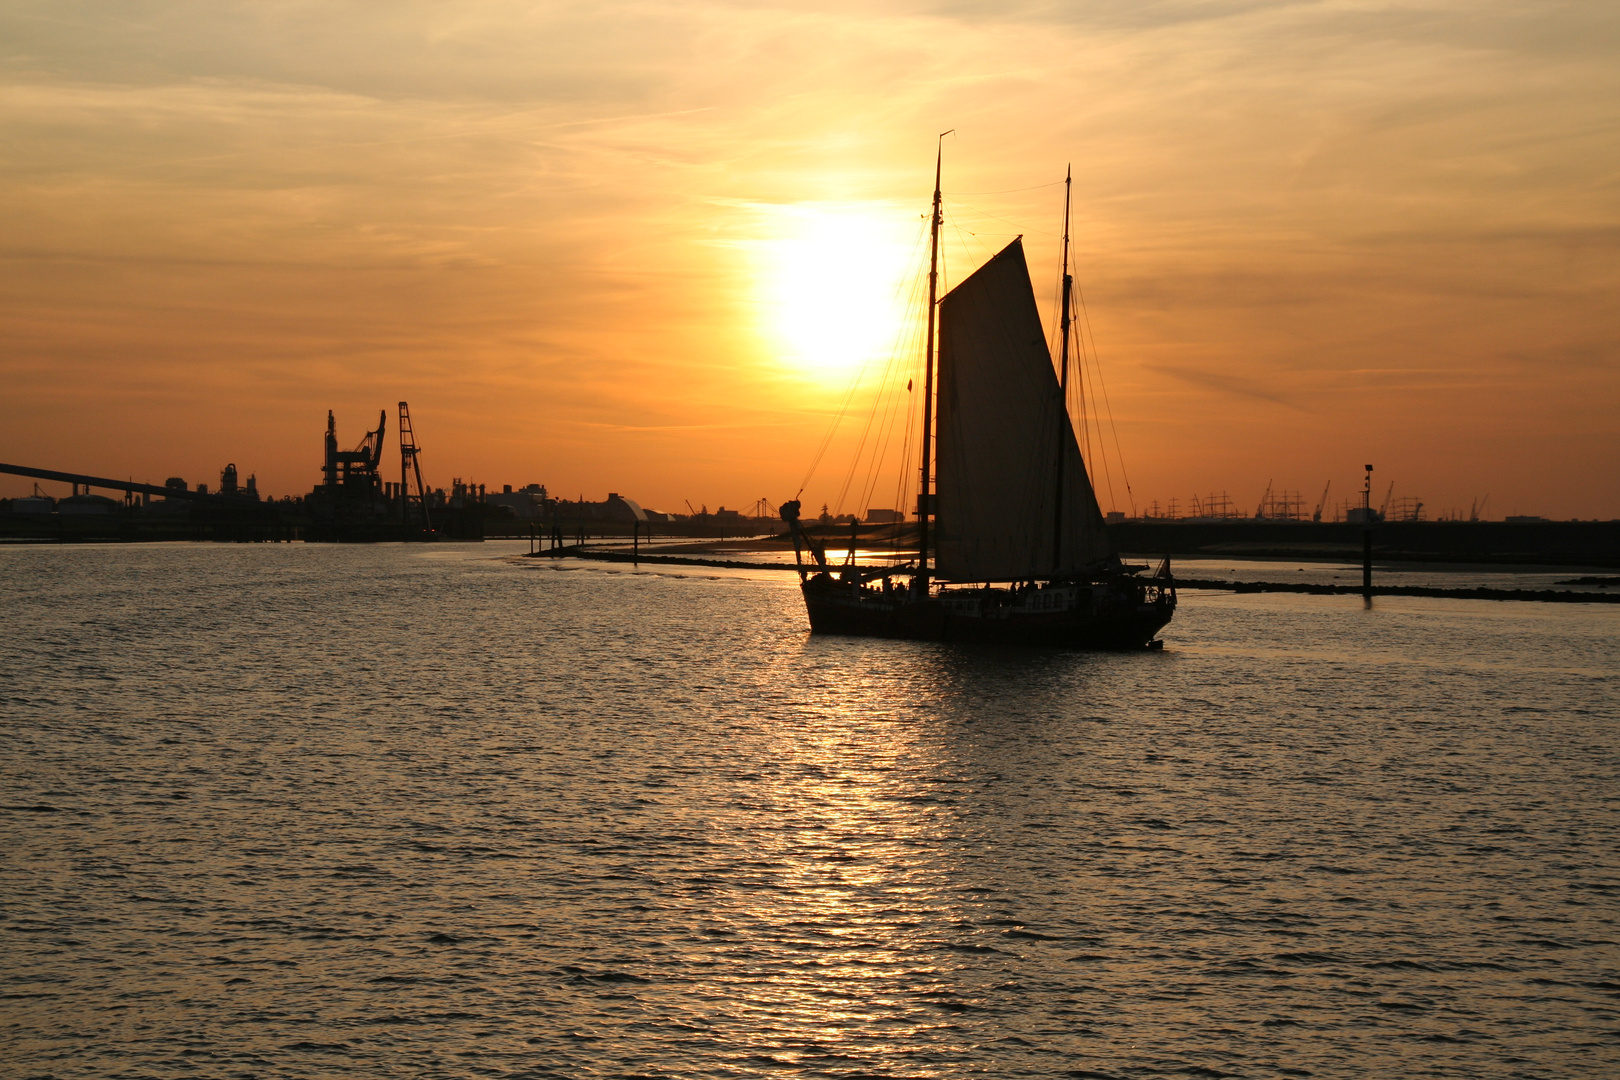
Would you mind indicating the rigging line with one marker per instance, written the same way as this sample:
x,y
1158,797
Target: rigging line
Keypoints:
x,y
1099,451
857,380
1108,405
832,429
906,399
880,447
1085,427
910,334
880,457
1093,373
860,452
900,486
984,249
899,350
911,425
1057,308
899,419
1008,221
905,454
866,431
884,437
1004,191
1102,442
849,395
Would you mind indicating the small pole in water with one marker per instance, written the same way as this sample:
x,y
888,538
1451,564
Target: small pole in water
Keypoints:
x,y
1366,537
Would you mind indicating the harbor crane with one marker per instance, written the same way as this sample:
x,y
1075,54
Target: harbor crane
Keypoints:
x,y
409,461
357,467
1320,503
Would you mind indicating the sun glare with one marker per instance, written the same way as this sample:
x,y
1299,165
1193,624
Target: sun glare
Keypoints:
x,y
834,284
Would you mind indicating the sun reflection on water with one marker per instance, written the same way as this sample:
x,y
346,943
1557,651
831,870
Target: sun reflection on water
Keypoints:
x,y
845,952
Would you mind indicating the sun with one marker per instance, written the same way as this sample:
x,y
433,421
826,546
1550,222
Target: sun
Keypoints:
x,y
833,284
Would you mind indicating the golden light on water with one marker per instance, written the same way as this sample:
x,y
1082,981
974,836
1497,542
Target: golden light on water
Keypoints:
x,y
833,283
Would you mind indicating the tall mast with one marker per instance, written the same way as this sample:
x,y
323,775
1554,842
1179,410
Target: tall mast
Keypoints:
x,y
925,502
1064,426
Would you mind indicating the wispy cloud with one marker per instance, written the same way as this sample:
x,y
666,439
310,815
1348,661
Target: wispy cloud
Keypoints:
x,y
528,215
1230,385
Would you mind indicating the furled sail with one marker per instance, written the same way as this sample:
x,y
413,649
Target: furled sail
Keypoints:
x,y
1001,418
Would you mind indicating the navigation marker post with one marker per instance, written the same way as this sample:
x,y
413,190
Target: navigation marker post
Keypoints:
x,y
1366,537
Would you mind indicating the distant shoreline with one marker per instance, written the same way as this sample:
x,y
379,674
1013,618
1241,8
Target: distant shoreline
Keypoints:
x,y
1555,596
1594,544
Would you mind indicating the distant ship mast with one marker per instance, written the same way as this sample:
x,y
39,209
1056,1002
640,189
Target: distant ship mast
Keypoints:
x,y
925,506
1064,423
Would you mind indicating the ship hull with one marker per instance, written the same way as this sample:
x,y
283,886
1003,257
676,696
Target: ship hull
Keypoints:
x,y
1120,614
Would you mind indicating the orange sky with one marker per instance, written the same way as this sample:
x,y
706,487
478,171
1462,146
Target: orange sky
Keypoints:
x,y
640,247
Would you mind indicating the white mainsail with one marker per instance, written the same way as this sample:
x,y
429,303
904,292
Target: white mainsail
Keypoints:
x,y
1001,417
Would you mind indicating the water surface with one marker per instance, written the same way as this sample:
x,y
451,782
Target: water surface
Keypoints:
x,y
292,811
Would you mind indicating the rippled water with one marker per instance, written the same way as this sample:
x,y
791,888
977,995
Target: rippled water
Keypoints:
x,y
433,812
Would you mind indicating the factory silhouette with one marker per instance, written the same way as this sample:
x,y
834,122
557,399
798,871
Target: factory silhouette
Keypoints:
x,y
355,501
